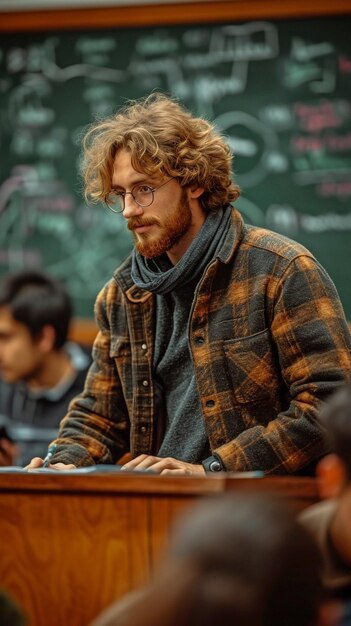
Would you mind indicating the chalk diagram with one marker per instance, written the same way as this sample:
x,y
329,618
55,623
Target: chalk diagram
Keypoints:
x,y
212,66
80,244
206,68
254,143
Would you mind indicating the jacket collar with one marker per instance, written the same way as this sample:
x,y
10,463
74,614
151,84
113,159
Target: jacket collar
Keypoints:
x,y
233,237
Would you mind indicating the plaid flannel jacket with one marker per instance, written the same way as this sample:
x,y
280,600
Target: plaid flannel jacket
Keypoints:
x,y
268,339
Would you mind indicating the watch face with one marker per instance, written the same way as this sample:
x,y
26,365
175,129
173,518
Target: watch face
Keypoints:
x,y
212,464
215,466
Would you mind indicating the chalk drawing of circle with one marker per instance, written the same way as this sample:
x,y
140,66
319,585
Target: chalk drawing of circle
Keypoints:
x,y
251,142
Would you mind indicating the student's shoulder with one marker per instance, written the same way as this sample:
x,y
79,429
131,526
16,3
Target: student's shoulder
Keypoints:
x,y
7,391
80,356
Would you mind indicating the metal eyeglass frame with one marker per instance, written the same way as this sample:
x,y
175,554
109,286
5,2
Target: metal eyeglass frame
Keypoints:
x,y
122,195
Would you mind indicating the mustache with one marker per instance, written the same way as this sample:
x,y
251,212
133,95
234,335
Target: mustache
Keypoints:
x,y
135,222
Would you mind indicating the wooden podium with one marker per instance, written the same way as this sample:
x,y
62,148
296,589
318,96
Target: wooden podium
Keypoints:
x,y
72,544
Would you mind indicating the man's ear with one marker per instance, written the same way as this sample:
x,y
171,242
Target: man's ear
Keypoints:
x,y
331,476
195,192
46,338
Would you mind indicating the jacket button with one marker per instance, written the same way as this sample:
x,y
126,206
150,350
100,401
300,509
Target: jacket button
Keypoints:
x,y
199,340
143,429
143,346
210,403
145,383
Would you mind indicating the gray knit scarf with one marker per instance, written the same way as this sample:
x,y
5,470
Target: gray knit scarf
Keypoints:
x,y
147,273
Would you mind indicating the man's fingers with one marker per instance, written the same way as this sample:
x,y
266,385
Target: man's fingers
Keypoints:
x,y
172,472
35,463
164,466
38,462
62,466
143,461
155,463
160,465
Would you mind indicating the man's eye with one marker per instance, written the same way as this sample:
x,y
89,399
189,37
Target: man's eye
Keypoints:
x,y
144,189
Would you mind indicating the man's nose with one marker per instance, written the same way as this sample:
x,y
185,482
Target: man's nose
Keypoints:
x,y
131,208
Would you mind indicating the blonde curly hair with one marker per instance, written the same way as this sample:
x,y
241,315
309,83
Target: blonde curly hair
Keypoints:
x,y
162,138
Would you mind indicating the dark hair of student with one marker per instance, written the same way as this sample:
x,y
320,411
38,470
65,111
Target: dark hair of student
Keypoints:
x,y
238,559
36,300
254,562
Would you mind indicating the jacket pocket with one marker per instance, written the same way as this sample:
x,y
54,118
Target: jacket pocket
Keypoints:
x,y
253,368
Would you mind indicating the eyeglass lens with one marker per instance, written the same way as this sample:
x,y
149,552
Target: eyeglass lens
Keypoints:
x,y
143,195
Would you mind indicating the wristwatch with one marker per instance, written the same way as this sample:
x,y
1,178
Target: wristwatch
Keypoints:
x,y
213,464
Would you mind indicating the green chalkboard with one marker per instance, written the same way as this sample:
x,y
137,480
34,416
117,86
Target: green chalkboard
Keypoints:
x,y
280,90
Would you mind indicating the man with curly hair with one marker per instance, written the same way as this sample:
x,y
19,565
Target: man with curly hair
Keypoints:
x,y
217,340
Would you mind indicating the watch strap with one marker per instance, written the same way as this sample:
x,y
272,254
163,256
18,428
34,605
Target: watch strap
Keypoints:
x,y
213,464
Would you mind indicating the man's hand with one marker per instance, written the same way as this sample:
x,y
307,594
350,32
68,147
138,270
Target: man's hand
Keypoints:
x,y
165,467
38,462
8,452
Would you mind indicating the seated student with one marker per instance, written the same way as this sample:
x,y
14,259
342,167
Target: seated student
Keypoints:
x,y
238,559
330,520
39,371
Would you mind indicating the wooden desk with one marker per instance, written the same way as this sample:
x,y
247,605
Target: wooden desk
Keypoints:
x,y
71,544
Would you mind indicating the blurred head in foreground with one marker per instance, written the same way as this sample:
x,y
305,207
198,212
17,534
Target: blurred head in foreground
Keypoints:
x,y
241,559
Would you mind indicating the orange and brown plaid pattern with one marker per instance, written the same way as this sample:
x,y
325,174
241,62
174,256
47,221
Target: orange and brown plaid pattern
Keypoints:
x,y
269,342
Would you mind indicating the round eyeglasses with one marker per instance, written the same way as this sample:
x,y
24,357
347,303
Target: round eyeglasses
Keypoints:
x,y
142,194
